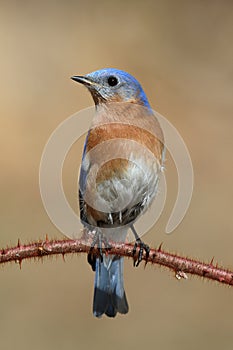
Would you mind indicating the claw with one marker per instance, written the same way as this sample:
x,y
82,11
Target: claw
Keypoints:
x,y
142,246
91,258
98,240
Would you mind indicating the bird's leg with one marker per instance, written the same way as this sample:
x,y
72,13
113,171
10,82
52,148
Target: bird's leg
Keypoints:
x,y
91,258
142,246
99,239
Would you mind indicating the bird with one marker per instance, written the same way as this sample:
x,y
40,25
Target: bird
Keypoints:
x,y
122,160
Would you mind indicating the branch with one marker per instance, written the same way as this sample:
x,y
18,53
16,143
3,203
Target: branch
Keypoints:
x,y
180,265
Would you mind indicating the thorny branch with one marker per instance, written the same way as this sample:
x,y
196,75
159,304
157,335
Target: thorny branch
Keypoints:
x,y
180,265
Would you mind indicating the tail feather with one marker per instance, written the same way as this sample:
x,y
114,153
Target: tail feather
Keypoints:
x,y
109,294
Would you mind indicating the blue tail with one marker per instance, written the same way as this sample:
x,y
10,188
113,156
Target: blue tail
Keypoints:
x,y
109,294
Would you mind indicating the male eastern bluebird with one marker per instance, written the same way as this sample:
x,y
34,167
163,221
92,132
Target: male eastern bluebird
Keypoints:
x,y
125,182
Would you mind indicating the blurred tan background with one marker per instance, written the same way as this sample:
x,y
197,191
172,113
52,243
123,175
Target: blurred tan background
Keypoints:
x,y
182,53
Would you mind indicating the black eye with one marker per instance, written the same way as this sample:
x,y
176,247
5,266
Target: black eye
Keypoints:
x,y
112,81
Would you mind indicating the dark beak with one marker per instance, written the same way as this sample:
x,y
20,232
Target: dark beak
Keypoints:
x,y
91,85
83,80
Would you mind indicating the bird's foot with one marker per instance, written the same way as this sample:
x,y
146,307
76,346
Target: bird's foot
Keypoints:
x,y
142,246
99,240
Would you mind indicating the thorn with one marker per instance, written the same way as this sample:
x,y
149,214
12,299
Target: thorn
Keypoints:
x,y
211,263
46,238
63,257
160,246
19,261
20,264
18,243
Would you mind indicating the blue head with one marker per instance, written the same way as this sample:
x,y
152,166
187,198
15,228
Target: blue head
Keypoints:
x,y
113,85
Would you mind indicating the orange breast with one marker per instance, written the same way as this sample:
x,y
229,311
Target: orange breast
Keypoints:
x,y
121,121
116,167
